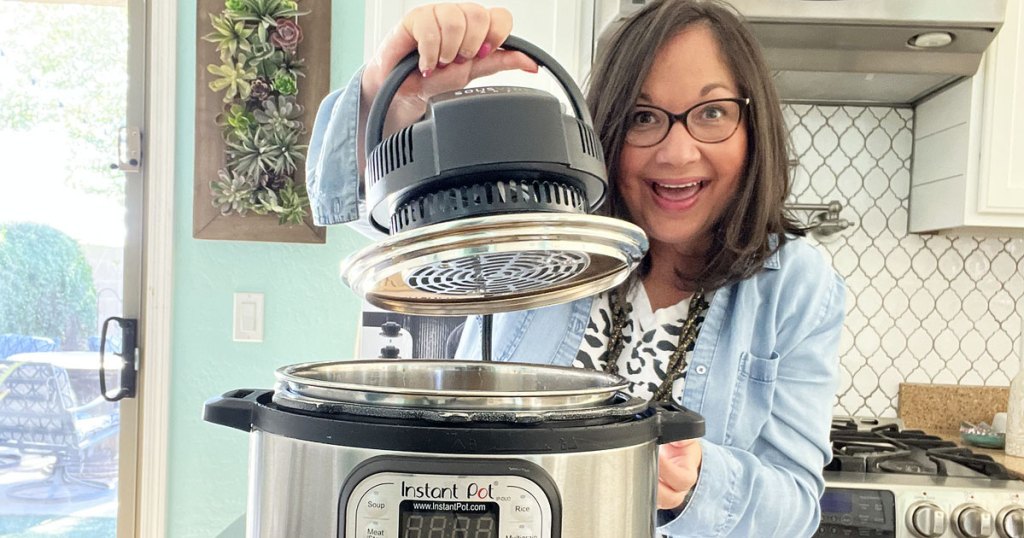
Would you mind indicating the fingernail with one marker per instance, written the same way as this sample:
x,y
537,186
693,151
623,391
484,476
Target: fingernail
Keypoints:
x,y
485,49
533,69
427,73
460,59
442,65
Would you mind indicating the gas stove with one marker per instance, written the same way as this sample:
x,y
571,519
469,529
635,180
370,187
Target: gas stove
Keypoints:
x,y
888,481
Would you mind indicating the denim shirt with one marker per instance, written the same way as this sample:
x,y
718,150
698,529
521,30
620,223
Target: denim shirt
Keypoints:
x,y
763,372
332,167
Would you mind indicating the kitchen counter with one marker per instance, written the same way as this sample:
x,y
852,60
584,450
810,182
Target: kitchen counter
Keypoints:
x,y
1012,463
939,409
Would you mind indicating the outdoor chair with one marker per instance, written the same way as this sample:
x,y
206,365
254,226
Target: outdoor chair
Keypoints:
x,y
11,344
39,413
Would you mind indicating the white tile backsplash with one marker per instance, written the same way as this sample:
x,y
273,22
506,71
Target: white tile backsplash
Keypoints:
x,y
926,309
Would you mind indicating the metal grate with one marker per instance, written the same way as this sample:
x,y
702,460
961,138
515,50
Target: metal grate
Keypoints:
x,y
922,309
499,273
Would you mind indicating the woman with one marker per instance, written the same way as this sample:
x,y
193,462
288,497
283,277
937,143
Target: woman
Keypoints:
x,y
730,314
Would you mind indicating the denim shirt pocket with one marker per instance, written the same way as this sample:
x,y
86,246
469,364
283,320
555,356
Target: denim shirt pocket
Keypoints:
x,y
752,401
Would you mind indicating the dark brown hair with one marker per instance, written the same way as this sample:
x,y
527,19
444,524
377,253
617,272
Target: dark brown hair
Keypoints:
x,y
739,242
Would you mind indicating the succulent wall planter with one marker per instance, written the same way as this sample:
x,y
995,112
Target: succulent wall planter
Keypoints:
x,y
262,68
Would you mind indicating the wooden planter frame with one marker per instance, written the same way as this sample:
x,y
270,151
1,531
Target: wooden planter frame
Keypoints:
x,y
315,48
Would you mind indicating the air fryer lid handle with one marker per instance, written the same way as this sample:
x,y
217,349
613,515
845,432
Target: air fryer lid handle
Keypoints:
x,y
379,109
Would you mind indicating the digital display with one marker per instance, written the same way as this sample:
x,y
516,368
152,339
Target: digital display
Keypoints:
x,y
836,502
447,519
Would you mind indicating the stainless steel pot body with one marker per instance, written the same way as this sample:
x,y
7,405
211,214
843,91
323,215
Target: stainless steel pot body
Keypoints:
x,y
294,487
482,450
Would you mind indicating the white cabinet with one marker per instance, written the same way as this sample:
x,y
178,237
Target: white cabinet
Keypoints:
x,y
968,163
1002,142
562,28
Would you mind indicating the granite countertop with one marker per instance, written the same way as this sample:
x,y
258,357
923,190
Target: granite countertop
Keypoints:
x,y
1014,464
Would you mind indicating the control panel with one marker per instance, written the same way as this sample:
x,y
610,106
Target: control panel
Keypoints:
x,y
405,503
923,507
857,512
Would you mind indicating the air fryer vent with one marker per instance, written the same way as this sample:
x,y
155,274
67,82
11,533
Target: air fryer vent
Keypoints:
x,y
590,144
491,197
393,153
499,273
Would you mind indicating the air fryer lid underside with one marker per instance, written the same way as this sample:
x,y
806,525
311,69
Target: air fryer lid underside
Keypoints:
x,y
495,264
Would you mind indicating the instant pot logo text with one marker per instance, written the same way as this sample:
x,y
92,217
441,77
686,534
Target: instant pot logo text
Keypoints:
x,y
428,491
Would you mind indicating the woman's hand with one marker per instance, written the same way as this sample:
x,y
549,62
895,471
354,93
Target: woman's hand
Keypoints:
x,y
456,42
678,467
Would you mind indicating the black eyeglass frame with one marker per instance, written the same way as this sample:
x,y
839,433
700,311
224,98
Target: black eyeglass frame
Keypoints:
x,y
743,102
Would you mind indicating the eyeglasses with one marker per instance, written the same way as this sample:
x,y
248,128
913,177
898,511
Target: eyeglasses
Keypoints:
x,y
710,121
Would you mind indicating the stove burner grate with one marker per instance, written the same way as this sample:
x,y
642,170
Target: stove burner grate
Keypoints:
x,y
888,449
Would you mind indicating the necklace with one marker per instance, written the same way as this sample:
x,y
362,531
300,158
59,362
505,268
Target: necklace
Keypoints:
x,y
677,360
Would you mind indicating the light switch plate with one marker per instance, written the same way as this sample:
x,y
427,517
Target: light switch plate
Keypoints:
x,y
248,317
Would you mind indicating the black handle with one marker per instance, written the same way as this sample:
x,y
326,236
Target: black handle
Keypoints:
x,y
129,370
234,409
677,423
379,108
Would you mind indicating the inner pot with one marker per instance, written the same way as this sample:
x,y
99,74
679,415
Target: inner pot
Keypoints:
x,y
447,385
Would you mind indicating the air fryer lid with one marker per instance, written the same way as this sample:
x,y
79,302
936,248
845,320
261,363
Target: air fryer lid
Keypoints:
x,y
447,385
487,200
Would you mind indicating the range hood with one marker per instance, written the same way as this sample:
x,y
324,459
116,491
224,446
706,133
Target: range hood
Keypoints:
x,y
893,52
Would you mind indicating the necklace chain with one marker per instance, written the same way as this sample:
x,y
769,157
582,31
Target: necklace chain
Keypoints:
x,y
677,360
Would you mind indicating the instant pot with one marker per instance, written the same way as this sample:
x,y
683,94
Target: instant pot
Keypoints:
x,y
487,201
450,449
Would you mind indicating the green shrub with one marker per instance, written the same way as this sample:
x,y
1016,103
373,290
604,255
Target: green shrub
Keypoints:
x,y
46,286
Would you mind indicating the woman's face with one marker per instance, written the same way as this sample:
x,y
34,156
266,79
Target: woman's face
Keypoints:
x,y
677,188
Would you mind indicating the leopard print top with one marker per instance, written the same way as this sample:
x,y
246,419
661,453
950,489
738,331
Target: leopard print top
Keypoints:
x,y
649,339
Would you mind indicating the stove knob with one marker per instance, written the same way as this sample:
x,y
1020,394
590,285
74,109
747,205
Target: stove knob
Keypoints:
x,y
1010,522
972,521
926,520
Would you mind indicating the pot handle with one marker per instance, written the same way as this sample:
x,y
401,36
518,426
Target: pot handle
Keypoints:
x,y
677,423
233,409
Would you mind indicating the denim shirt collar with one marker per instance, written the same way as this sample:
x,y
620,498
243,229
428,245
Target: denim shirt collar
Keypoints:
x,y
772,262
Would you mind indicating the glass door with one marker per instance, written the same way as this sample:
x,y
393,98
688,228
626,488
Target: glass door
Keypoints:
x,y
72,81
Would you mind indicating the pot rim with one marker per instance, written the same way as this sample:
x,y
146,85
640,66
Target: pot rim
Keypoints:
x,y
597,388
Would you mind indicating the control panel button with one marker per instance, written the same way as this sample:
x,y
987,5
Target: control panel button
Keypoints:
x,y
522,512
926,520
972,521
371,528
1010,522
374,505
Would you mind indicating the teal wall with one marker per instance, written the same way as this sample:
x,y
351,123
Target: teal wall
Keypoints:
x,y
309,314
